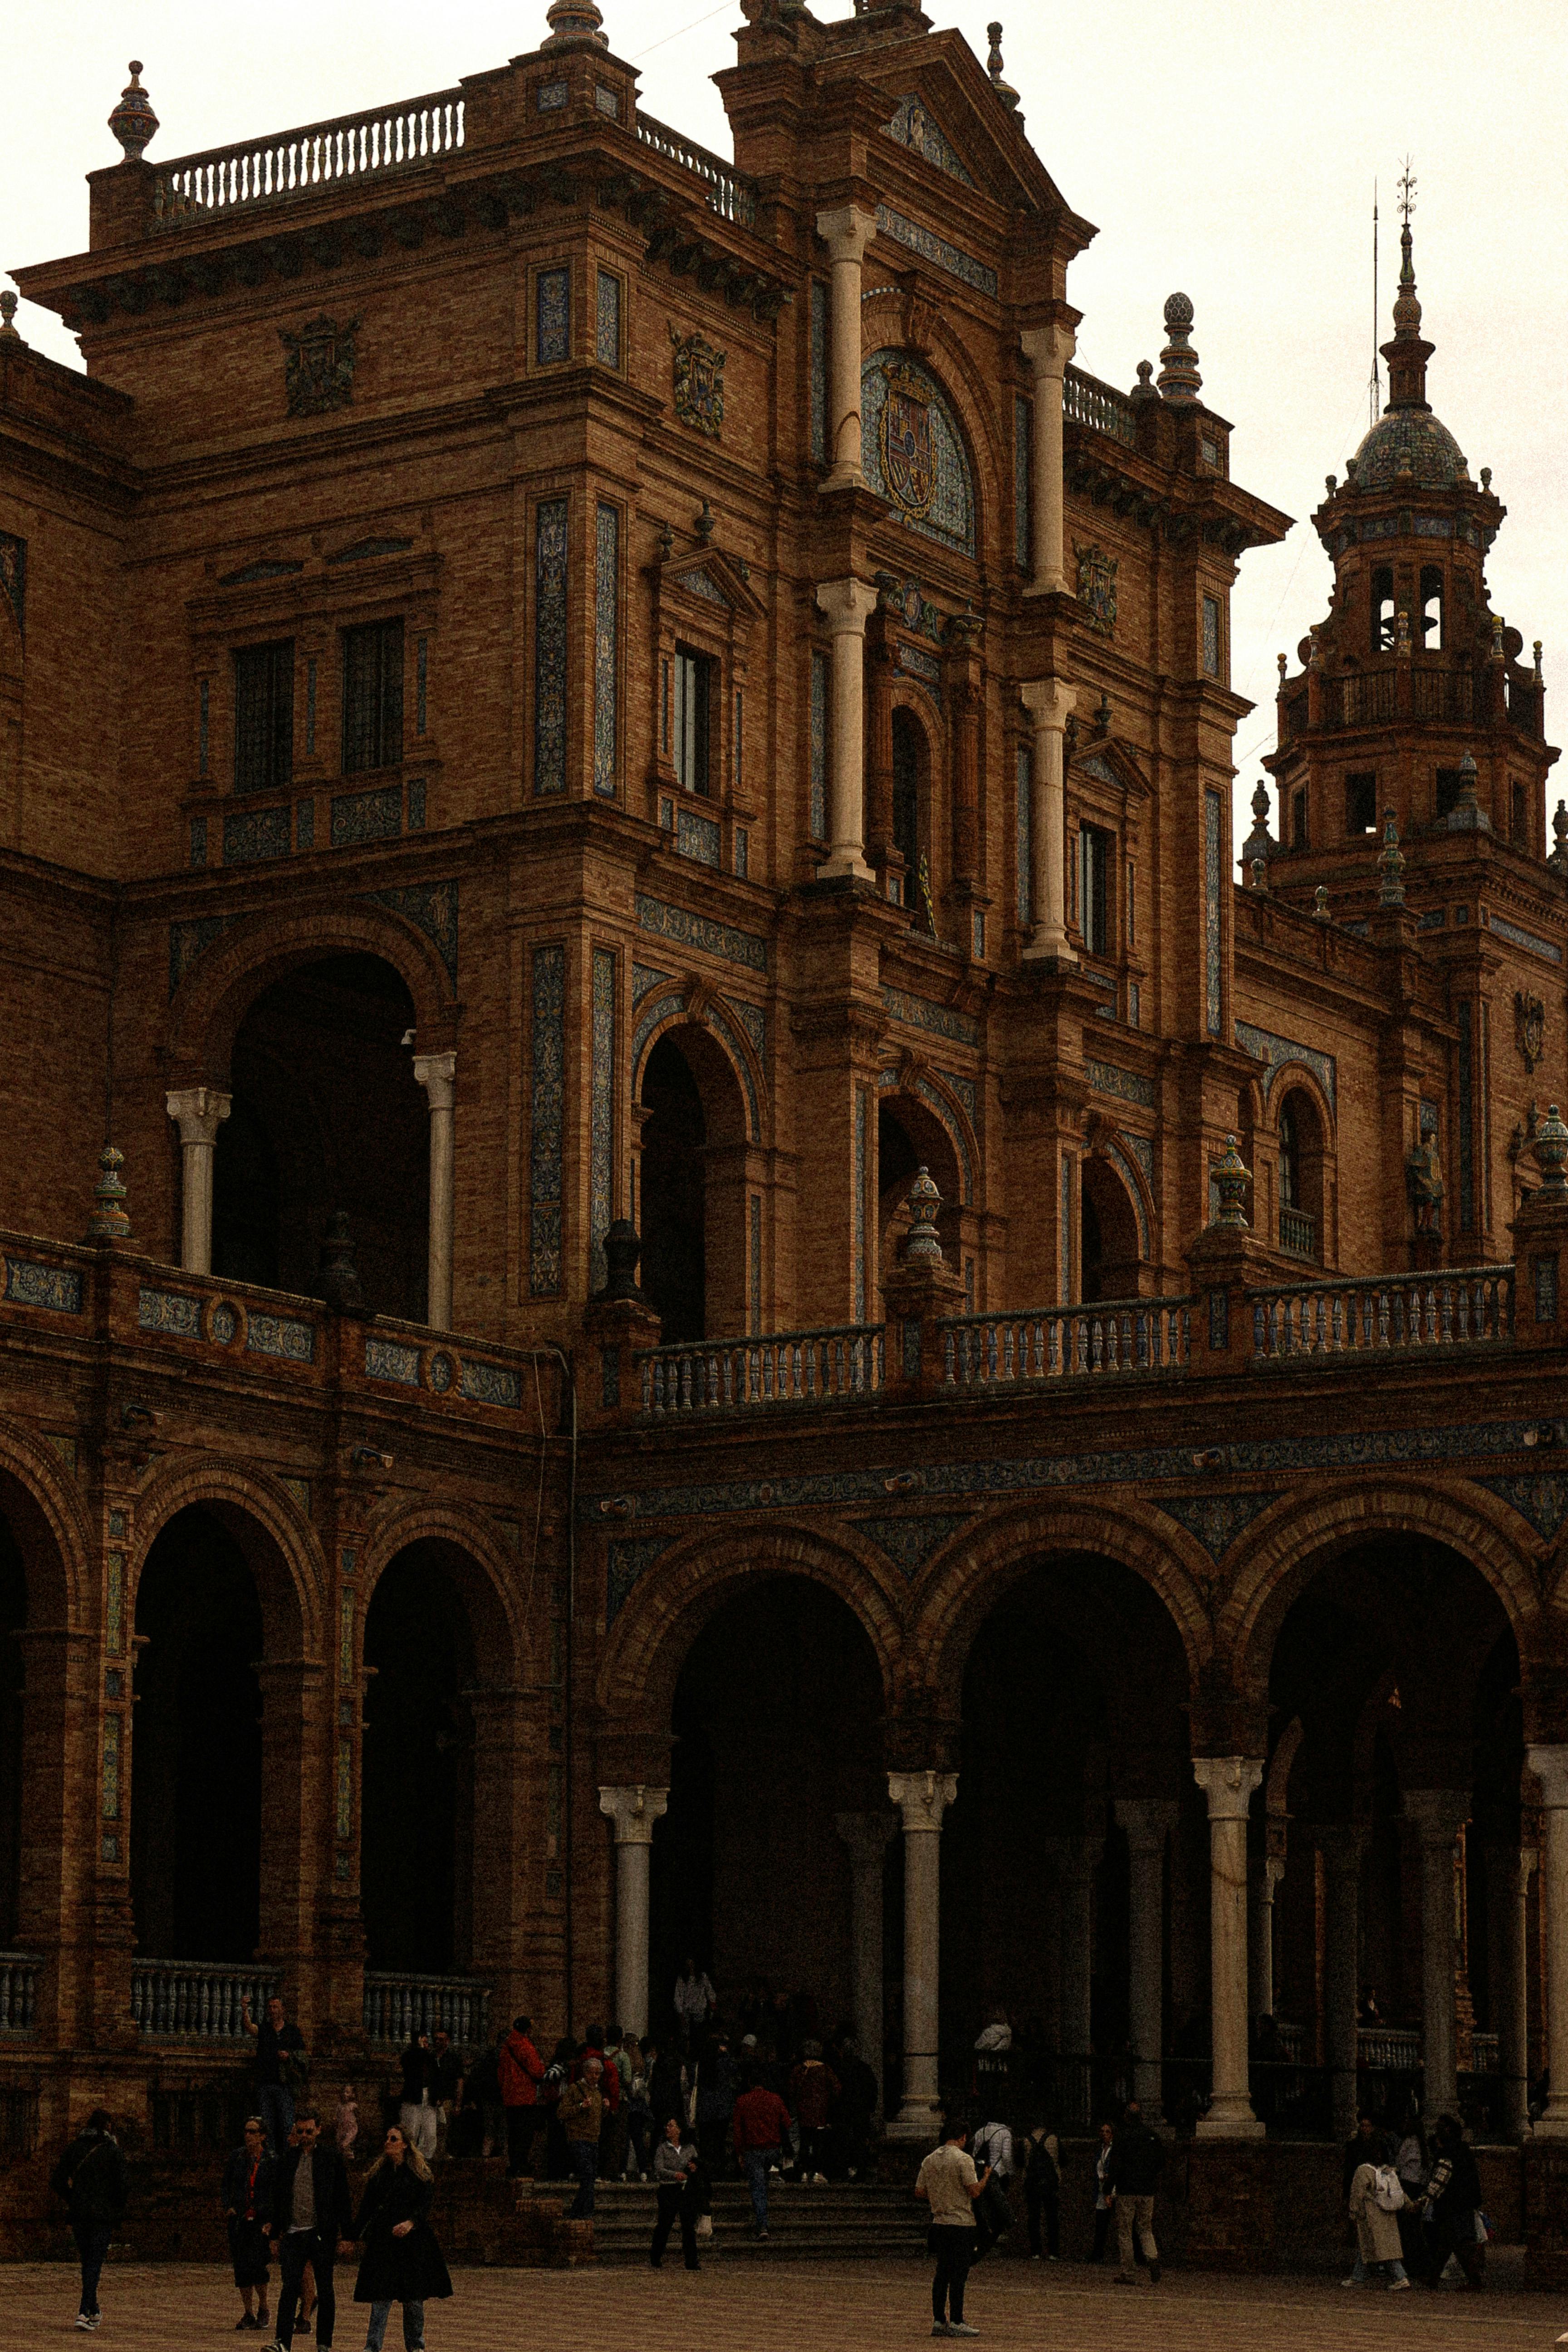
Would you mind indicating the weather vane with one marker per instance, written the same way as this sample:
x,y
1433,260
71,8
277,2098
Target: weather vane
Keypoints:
x,y
1407,192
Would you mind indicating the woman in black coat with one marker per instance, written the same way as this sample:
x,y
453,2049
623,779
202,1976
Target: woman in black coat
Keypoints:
x,y
402,2264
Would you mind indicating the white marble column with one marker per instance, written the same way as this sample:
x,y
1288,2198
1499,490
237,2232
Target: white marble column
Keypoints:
x,y
1509,1871
1550,1766
1344,1846
1264,1878
866,1836
1228,1781
1050,702
437,1074
1148,1822
1437,1815
846,605
846,232
922,1798
634,1812
1047,351
198,1112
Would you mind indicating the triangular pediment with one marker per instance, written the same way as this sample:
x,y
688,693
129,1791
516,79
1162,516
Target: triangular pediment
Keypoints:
x,y
961,118
1106,762
711,577
914,126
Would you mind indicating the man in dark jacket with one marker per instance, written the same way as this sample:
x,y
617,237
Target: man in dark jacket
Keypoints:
x,y
1131,2177
91,2177
1453,2200
246,2196
311,2223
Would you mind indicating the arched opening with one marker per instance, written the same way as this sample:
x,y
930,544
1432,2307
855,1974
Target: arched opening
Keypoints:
x,y
1109,1256
13,1621
195,1819
692,1185
911,816
1431,608
1383,620
1299,1132
326,1115
910,1137
776,1720
1072,1707
416,1814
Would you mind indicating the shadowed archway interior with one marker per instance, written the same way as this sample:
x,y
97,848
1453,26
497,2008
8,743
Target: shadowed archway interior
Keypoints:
x,y
417,1810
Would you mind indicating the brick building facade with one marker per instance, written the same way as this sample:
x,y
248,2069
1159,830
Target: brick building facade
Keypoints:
x,y
559,695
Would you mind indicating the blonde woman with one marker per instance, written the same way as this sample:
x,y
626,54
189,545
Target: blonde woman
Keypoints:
x,y
402,2263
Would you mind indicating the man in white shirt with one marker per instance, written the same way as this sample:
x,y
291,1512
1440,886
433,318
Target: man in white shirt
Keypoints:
x,y
992,2215
948,2184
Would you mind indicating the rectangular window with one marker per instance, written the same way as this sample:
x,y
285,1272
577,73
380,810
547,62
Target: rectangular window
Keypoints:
x,y
607,321
1360,803
263,717
1298,835
1517,815
552,316
372,697
1213,635
1094,887
694,702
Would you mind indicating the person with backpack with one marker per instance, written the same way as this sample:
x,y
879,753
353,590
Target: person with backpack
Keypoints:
x,y
1131,2177
1453,2206
1375,2203
1043,2190
91,2177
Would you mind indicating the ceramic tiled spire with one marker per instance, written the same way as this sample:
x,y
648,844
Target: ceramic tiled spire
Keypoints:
x,y
134,121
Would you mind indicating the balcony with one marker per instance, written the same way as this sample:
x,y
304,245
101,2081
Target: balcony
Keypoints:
x,y
196,2001
398,2007
1387,1314
1297,1233
1119,1337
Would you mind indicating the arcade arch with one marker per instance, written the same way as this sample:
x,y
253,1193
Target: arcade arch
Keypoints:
x,y
692,1185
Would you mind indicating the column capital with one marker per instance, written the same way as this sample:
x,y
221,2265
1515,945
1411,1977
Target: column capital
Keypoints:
x,y
1147,1821
922,1798
1048,349
847,230
845,606
634,1812
1048,701
1550,1766
198,1112
866,1834
1228,1781
1438,1815
437,1074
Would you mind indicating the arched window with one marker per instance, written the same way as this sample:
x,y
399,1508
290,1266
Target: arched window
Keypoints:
x,y
911,816
1383,609
912,451
1290,1161
1300,1133
1109,1253
1431,608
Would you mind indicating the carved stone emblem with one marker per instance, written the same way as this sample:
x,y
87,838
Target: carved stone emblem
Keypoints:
x,y
907,450
699,382
319,371
1528,1028
1097,587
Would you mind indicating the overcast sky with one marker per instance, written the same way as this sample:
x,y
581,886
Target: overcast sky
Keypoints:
x,y
1229,152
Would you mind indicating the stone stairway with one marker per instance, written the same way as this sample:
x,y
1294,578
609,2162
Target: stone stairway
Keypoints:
x,y
848,2220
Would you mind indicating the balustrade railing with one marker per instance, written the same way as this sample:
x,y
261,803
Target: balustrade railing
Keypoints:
x,y
193,2000
1442,694
295,164
1129,1335
1357,701
1087,401
1298,1233
1468,1305
397,2007
846,1360
728,195
18,1990
1485,2053
1388,2049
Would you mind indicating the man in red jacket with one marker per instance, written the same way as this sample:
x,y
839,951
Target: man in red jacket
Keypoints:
x,y
520,2069
814,2089
760,2121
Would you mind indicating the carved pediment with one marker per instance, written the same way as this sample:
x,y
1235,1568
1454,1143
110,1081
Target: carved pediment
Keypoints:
x,y
709,577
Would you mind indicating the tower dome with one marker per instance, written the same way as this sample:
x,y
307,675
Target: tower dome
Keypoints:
x,y
1408,442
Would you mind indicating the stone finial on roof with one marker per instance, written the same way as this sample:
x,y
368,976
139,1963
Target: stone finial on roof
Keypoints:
x,y
1321,905
572,22
109,1220
922,1247
1178,378
1558,860
1551,1152
134,122
1390,863
9,317
1004,90
1259,843
1231,1178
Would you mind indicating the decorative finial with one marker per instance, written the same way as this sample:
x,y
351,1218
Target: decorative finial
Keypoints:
x,y
1260,843
1260,796
1103,714
1551,1152
1179,379
1390,863
666,541
8,316
1004,90
1321,905
109,1220
1260,874
622,1247
1231,1176
923,1247
1402,641
134,122
1284,665
340,1282
705,523
1497,626
1538,679
1467,781
1407,192
572,22
1559,857
1330,483
1486,477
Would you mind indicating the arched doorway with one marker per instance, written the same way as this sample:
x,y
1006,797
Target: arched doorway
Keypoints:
x,y
12,1620
195,1819
417,1836
691,1185
776,1719
326,1115
1109,1256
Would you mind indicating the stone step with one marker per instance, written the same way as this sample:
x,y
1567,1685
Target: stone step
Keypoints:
x,y
846,2221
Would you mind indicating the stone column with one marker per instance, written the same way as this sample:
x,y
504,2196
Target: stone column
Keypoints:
x,y
198,1112
846,233
437,1074
1147,1821
1048,701
867,1835
922,1798
1550,1766
634,1812
1265,1878
1509,1870
1047,351
1228,1781
1437,1815
1342,1850
1077,1858
846,605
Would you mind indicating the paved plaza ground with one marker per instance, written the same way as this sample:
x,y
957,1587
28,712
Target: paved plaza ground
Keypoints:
x,y
834,2307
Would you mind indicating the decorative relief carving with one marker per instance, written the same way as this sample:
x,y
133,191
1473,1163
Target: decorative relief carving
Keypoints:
x,y
699,382
1097,587
319,369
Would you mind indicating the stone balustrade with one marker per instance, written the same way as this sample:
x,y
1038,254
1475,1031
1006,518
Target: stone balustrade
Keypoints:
x,y
292,164
1468,1306
193,2000
18,1990
398,2007
842,1360
728,195
1129,1335
1087,401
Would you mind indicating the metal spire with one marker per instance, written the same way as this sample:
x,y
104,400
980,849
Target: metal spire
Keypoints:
x,y
1374,389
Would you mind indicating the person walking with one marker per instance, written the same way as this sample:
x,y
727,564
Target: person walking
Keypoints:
x,y
1376,2199
993,2217
447,2073
675,2188
813,2089
246,2196
1102,2204
694,1998
519,2069
642,2058
416,2111
402,2263
1453,2206
311,2218
280,2068
1131,2177
581,2113
761,2125
714,2099
91,2177
948,2184
1043,2190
